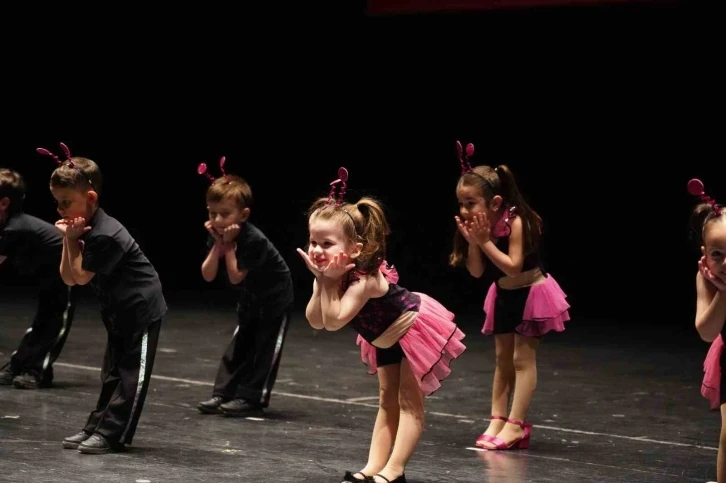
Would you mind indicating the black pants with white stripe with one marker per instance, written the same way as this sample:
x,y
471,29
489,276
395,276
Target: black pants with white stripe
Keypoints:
x,y
44,340
249,366
125,376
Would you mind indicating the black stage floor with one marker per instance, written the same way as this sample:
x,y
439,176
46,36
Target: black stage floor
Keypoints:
x,y
607,409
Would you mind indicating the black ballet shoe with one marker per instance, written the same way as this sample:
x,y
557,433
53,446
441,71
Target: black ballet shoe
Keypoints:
x,y
400,479
350,477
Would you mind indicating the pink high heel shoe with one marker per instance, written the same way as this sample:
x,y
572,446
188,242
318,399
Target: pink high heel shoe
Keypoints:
x,y
485,437
519,443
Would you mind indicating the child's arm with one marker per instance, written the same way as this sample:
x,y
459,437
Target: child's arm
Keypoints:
x,y
314,310
75,260
65,266
2,259
234,274
710,309
210,265
474,260
338,310
509,263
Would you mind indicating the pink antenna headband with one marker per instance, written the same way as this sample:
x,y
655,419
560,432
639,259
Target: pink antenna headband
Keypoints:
x,y
66,151
695,187
342,181
202,170
464,157
67,154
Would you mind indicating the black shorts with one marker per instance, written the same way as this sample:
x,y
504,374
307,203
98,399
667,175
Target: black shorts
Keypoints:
x,y
509,309
392,355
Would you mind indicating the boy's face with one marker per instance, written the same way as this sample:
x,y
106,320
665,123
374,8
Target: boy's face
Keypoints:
x,y
73,203
225,213
4,208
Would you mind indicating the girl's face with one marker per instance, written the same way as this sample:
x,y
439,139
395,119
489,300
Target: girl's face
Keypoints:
x,y
472,202
327,240
714,248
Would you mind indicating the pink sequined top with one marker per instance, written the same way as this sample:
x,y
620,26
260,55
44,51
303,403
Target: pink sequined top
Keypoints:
x,y
379,313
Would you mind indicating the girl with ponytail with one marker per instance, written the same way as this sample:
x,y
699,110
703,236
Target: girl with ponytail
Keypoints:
x,y
407,338
497,229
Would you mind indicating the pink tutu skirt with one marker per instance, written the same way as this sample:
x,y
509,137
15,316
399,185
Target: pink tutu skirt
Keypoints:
x,y
711,385
430,344
531,311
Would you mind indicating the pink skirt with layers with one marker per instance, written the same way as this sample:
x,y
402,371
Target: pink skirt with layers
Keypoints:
x,y
546,309
711,385
430,344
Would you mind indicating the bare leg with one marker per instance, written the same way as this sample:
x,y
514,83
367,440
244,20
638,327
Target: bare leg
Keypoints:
x,y
411,401
386,427
504,377
721,461
525,365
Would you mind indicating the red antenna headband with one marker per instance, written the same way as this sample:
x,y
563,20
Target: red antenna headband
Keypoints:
x,y
695,187
202,170
342,181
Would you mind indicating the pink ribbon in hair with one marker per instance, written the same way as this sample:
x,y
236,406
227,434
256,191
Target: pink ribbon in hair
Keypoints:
x,y
342,181
464,156
695,187
66,152
202,170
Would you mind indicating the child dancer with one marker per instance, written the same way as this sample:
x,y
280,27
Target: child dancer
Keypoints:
x,y
254,269
709,224
34,246
97,249
523,303
408,338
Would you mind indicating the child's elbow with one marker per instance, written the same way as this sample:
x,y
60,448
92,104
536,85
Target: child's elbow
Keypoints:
x,y
705,335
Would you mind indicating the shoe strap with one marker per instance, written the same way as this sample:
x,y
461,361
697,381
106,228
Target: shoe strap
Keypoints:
x,y
519,423
503,418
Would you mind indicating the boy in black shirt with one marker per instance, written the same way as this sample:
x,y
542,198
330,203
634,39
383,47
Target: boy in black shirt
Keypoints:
x,y
34,247
97,249
253,267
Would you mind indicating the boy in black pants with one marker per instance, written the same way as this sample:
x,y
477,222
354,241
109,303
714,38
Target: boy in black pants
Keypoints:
x,y
34,247
253,267
97,249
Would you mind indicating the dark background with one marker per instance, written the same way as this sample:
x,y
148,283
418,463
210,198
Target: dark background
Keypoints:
x,y
602,112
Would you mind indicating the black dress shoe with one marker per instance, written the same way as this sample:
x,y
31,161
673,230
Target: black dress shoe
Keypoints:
x,y
400,479
30,381
211,406
6,378
241,408
353,479
97,444
72,442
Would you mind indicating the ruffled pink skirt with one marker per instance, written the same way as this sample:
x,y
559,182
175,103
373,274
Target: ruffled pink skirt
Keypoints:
x,y
711,385
545,309
430,344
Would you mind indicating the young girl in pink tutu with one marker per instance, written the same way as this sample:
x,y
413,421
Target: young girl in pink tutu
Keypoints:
x,y
498,229
709,225
407,338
